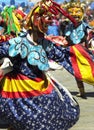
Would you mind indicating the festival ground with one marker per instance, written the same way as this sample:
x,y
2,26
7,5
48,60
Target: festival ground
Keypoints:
x,y
86,120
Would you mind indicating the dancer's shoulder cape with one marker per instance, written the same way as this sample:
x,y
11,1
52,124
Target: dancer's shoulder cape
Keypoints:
x,y
35,54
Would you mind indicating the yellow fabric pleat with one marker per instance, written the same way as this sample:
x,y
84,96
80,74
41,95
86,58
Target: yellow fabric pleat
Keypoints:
x,y
84,67
14,85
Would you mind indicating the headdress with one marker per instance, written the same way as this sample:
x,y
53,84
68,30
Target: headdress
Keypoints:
x,y
74,3
11,20
42,10
75,8
20,14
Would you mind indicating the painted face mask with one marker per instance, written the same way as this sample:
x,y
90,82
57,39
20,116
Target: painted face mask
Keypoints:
x,y
75,9
43,13
76,12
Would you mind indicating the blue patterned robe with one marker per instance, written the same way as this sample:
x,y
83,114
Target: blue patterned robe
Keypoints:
x,y
39,107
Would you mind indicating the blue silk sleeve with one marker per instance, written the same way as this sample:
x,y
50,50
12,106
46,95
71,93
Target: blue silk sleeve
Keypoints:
x,y
4,49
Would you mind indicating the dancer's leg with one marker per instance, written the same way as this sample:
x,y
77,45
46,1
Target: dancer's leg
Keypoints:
x,y
81,88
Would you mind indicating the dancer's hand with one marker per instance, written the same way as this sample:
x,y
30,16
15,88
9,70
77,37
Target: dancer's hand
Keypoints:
x,y
60,40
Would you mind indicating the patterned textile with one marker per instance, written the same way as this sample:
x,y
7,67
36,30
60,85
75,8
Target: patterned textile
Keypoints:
x,y
29,99
76,34
44,112
76,60
35,54
35,87
61,56
83,64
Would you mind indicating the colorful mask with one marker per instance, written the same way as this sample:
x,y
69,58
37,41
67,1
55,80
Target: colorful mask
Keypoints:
x,y
76,10
43,13
20,14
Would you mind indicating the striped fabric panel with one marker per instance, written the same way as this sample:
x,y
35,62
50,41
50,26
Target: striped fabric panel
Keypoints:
x,y
23,87
82,64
